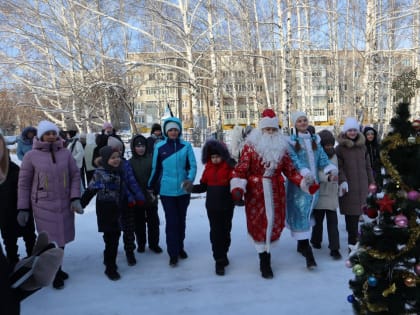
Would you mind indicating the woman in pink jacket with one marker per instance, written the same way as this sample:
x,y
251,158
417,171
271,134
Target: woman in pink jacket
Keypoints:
x,y
49,183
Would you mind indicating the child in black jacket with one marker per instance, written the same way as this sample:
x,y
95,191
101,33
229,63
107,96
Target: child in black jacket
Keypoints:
x,y
216,181
109,184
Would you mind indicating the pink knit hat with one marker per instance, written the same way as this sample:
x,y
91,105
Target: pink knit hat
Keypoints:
x,y
106,125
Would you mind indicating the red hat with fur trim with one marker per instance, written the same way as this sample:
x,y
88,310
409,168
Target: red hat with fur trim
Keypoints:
x,y
269,119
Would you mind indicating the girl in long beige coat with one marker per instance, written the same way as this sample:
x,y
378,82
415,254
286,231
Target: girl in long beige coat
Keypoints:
x,y
355,175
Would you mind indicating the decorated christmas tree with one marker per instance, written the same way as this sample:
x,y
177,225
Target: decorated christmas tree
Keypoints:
x,y
386,260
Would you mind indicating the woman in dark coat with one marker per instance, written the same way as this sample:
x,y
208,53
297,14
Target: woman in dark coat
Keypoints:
x,y
9,227
355,175
372,145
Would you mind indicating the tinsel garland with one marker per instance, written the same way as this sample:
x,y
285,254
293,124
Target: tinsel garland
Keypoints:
x,y
393,142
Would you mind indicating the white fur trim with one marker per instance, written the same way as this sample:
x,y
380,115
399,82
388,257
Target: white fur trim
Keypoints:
x,y
304,186
269,122
304,235
305,171
269,210
237,182
331,168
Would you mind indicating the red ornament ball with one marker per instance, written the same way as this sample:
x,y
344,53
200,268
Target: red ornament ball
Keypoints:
x,y
372,213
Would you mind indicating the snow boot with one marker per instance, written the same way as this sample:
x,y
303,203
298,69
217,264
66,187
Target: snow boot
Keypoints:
x,y
183,254
265,265
173,261
58,282
220,268
156,248
112,273
131,259
310,259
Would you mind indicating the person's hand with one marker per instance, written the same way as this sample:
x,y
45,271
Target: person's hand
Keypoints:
x,y
187,186
237,196
76,206
152,195
23,217
313,188
344,188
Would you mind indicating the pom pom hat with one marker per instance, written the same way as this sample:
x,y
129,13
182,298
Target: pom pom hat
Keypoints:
x,y
295,116
44,126
350,123
269,119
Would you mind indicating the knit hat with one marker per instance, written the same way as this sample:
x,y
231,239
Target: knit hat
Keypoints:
x,y
295,116
44,126
269,119
350,123
106,125
139,140
105,153
326,137
171,125
155,127
115,143
72,133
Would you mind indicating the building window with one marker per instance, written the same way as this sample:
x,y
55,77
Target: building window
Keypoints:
x,y
229,115
242,114
152,76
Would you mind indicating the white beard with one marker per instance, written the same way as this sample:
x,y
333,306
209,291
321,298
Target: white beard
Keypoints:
x,y
270,147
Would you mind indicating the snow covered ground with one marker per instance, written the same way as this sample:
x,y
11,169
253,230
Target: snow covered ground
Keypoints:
x,y
152,287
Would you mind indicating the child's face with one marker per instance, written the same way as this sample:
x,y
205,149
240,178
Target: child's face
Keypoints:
x,y
140,149
216,158
302,124
370,135
351,133
173,133
114,160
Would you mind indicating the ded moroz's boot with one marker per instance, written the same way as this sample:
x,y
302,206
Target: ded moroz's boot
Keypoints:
x,y
265,265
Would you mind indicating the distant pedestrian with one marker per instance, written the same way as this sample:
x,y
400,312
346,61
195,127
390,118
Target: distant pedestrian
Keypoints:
x,y
155,137
25,141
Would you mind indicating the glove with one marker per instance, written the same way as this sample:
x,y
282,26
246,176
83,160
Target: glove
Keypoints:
x,y
313,188
151,195
76,206
187,186
38,270
23,217
344,188
237,196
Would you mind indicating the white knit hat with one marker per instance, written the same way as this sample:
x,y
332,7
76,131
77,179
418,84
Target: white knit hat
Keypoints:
x,y
350,123
269,119
171,125
44,126
295,116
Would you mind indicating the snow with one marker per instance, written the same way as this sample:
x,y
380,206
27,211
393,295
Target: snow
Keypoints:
x,y
153,287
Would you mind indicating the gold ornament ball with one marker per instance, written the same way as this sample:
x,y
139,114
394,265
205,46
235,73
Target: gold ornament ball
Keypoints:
x,y
410,281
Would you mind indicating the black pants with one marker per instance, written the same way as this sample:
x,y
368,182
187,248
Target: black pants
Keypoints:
x,y
220,228
147,218
352,227
332,228
12,232
111,240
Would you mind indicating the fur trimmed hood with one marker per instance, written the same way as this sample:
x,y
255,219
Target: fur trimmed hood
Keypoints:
x,y
346,142
213,146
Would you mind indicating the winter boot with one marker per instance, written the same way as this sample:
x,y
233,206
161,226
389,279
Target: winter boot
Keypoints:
x,y
220,268
64,275
300,247
173,261
58,282
335,254
112,273
183,254
155,248
140,249
131,259
310,259
265,265
225,261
